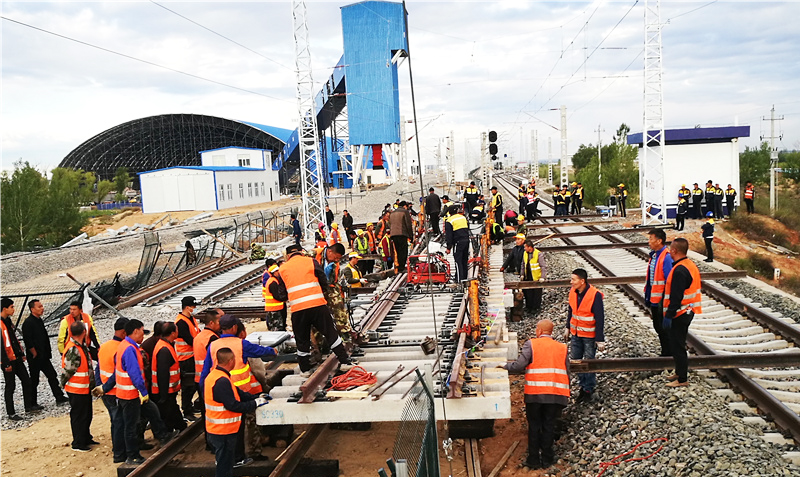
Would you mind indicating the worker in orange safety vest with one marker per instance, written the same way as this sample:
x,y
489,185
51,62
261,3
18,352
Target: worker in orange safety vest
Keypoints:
x,y
184,348
658,268
586,318
546,366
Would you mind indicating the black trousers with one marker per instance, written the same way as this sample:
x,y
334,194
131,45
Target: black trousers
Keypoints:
x,y
188,386
132,411
731,206
523,202
170,412
18,370
677,337
80,418
531,211
366,266
461,257
498,215
39,366
117,427
320,318
697,211
228,449
623,207
577,206
709,247
750,208
433,219
541,431
533,298
657,314
718,209
400,243
679,221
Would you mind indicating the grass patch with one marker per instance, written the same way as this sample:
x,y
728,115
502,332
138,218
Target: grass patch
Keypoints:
x,y
790,284
91,214
755,264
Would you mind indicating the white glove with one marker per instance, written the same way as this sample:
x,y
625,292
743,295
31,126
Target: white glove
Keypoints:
x,y
363,281
260,401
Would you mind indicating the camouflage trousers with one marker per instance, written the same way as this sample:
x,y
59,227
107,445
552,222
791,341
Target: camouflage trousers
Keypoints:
x,y
252,436
334,296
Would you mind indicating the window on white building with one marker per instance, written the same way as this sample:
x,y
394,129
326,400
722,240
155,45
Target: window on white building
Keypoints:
x,y
218,159
249,189
263,191
241,190
244,160
221,192
256,189
230,191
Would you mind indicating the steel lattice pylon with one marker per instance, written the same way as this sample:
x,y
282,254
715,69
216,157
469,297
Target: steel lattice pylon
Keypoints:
x,y
310,158
651,166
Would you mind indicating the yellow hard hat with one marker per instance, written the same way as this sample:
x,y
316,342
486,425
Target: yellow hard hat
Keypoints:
x,y
521,218
683,185
359,232
574,183
520,236
334,225
621,185
353,255
370,224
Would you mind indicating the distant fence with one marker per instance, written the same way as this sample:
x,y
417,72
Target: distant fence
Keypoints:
x,y
118,205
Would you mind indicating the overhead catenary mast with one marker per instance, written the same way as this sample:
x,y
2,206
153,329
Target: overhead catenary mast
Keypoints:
x,y
311,182
651,182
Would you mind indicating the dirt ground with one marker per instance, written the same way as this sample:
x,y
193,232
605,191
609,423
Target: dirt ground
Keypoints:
x,y
130,218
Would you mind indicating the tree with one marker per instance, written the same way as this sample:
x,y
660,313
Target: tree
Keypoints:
x,y
583,155
121,181
24,194
103,188
619,166
64,220
754,164
790,163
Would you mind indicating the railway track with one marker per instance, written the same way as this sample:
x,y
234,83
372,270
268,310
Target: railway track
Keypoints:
x,y
729,324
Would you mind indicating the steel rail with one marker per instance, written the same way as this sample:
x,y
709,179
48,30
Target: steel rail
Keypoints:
x,y
143,294
290,458
194,279
456,377
715,361
618,280
782,415
472,455
236,286
165,454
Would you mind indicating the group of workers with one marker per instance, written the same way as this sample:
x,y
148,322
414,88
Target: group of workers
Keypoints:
x,y
697,203
568,200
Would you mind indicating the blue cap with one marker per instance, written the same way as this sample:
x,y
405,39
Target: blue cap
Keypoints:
x,y
709,214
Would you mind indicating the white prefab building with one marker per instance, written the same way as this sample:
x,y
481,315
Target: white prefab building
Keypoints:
x,y
698,155
211,187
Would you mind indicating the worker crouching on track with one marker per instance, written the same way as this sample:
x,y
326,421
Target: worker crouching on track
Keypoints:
x,y
681,302
586,318
456,229
546,366
301,281
225,405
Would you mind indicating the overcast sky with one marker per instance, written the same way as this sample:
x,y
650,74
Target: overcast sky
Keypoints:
x,y
476,65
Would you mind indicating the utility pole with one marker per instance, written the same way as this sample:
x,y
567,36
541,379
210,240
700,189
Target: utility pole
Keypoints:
x,y
564,167
485,171
550,160
404,172
773,160
599,155
311,179
451,160
535,154
651,184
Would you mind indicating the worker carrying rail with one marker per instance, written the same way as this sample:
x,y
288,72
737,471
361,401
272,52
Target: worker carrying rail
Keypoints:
x,y
546,366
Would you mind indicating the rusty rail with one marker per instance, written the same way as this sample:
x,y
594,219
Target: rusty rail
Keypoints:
x,y
616,280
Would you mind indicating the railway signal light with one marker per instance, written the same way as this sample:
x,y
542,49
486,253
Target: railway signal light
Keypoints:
x,y
492,145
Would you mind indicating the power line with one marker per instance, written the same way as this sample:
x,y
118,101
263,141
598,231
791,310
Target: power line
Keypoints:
x,y
143,61
222,36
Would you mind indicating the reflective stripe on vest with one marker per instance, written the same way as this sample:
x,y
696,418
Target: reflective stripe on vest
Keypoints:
x,y
547,372
270,303
219,420
7,343
536,269
200,349
301,284
582,322
748,193
240,374
182,348
87,323
78,383
174,370
125,387
659,282
691,296
356,275
458,222
105,356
